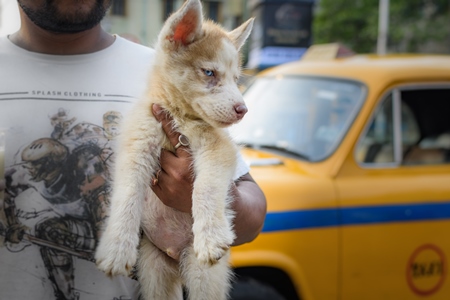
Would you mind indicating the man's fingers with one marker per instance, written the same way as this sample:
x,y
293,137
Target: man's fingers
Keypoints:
x,y
158,112
166,121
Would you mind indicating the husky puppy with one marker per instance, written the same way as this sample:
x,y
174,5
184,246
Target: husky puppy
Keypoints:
x,y
194,78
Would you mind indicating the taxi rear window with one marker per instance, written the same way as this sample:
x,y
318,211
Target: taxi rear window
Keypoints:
x,y
416,131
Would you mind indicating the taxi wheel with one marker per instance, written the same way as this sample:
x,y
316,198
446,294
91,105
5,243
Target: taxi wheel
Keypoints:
x,y
251,289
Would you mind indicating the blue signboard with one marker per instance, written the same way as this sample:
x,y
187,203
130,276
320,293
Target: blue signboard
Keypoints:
x,y
281,33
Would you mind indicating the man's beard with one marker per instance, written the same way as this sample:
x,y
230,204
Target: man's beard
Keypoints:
x,y
49,18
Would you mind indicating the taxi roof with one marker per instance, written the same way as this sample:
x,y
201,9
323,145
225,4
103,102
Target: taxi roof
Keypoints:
x,y
372,69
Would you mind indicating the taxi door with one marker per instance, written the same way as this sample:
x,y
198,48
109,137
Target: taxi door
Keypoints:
x,y
394,193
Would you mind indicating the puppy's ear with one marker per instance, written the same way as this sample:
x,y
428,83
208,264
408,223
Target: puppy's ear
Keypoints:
x,y
184,26
240,34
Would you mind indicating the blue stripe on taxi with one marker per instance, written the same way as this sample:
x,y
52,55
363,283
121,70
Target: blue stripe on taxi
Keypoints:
x,y
316,218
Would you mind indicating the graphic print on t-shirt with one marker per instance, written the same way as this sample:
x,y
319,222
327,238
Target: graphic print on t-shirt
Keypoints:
x,y
58,188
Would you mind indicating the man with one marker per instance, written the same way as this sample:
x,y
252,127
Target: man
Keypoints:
x,y
66,84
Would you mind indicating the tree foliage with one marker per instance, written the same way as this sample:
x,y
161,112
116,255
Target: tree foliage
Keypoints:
x,y
414,25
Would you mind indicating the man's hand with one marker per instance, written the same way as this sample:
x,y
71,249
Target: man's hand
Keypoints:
x,y
175,181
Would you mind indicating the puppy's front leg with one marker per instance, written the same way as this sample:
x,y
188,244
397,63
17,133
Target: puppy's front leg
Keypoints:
x,y
136,162
205,283
212,228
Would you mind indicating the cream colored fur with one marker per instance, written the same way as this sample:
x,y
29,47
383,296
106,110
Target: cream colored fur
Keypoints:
x,y
201,106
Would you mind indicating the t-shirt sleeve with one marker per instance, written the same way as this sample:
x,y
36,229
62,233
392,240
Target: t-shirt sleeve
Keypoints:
x,y
242,167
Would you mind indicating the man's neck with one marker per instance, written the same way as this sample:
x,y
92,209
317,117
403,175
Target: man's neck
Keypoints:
x,y
33,38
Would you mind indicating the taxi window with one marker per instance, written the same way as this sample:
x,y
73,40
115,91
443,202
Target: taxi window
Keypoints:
x,y
419,131
301,117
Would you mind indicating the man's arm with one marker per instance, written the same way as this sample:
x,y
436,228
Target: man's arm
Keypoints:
x,y
250,207
175,183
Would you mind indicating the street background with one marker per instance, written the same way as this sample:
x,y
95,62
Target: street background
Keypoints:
x,y
284,29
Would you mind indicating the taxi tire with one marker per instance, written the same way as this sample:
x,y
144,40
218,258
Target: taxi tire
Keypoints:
x,y
251,289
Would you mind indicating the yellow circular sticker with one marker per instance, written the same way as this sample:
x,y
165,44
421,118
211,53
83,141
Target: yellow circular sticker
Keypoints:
x,y
426,270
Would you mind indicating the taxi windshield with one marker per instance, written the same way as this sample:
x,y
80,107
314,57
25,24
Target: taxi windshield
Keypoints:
x,y
304,117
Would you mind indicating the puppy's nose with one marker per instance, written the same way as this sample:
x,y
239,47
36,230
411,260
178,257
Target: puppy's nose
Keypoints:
x,y
241,110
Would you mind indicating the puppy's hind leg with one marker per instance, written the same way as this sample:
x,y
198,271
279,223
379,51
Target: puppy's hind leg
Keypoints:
x,y
205,282
158,274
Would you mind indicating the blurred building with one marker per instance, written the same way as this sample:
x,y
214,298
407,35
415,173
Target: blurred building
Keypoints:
x,y
141,20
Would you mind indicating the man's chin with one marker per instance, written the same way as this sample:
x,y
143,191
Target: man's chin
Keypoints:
x,y
70,19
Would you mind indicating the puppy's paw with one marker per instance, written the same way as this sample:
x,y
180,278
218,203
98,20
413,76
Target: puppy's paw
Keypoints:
x,y
212,243
210,255
116,256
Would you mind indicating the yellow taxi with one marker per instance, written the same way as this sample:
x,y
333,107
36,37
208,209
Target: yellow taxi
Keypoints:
x,y
353,155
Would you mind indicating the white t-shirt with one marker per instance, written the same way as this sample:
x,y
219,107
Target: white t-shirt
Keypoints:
x,y
62,114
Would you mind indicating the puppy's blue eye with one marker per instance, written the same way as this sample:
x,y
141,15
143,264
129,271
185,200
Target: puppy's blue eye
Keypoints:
x,y
209,73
